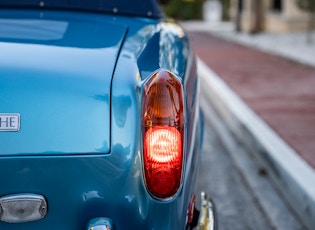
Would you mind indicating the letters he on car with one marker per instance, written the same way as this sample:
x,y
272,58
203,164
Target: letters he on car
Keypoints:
x,y
9,122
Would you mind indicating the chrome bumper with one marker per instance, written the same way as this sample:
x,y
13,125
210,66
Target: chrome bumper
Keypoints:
x,y
206,220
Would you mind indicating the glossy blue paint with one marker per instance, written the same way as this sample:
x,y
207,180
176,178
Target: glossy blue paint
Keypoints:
x,y
56,72
83,185
170,51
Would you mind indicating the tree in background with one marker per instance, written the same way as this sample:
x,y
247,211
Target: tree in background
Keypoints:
x,y
238,21
308,6
259,16
184,9
225,9
192,9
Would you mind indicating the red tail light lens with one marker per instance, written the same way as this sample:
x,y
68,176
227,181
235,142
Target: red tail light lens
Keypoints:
x,y
163,134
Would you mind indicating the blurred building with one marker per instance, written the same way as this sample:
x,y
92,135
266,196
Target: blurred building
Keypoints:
x,y
268,15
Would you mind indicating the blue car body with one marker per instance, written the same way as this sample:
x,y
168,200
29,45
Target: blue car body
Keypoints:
x,y
74,74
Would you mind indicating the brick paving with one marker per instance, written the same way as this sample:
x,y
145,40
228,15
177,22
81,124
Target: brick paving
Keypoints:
x,y
280,91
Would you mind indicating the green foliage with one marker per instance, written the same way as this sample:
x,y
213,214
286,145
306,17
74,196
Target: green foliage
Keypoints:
x,y
307,5
184,9
225,9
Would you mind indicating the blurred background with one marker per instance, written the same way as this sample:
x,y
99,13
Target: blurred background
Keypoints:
x,y
251,16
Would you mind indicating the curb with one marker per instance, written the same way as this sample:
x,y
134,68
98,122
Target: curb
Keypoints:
x,y
292,175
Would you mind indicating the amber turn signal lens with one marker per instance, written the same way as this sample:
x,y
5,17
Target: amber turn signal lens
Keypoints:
x,y
163,127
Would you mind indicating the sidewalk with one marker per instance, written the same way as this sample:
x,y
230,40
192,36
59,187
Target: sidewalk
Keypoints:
x,y
273,110
292,46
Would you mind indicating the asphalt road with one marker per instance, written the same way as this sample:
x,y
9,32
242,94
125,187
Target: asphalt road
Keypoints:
x,y
238,184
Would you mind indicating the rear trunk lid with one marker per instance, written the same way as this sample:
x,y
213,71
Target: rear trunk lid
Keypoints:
x,y
55,76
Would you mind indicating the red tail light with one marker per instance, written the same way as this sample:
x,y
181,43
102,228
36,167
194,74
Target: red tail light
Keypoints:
x,y
163,134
